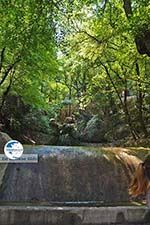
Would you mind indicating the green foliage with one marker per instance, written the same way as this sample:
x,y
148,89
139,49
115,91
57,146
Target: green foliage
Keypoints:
x,y
27,34
36,121
83,53
100,56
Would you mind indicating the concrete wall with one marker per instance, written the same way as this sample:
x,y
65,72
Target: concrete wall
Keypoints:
x,y
70,174
46,215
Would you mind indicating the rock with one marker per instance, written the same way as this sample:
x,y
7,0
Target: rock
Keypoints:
x,y
52,121
70,119
41,138
94,131
49,136
67,140
4,138
68,135
122,132
118,133
71,174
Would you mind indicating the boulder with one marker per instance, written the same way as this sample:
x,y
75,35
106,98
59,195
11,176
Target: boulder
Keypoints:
x,y
41,138
4,138
68,140
49,136
94,131
119,132
68,135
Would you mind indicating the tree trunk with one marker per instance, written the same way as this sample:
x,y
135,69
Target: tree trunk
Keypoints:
x,y
142,39
127,8
6,92
140,97
124,106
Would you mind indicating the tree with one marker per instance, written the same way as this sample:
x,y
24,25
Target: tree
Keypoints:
x,y
103,35
28,53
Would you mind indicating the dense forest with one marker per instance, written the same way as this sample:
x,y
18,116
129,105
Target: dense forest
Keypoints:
x,y
75,71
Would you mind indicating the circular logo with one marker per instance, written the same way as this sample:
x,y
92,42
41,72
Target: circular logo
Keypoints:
x,y
13,149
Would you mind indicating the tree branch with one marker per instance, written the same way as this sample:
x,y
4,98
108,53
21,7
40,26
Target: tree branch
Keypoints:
x,y
92,37
112,82
127,8
2,58
6,73
6,92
